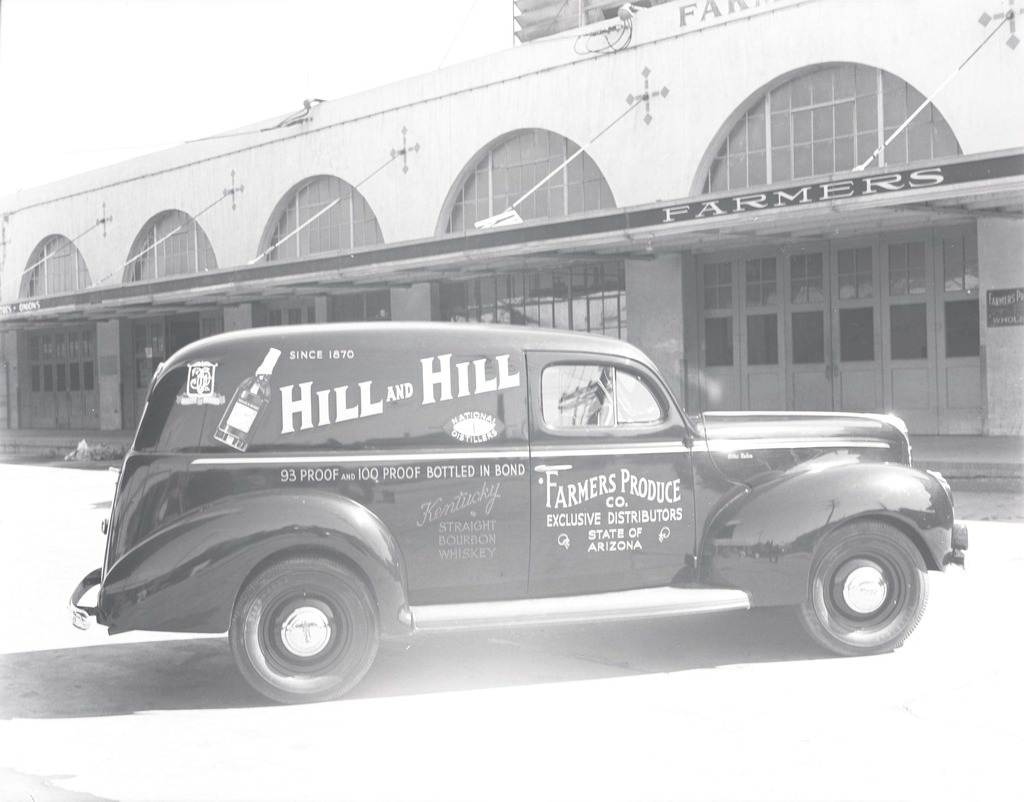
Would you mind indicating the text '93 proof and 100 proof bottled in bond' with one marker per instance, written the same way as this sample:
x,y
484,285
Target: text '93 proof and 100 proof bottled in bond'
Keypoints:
x,y
247,405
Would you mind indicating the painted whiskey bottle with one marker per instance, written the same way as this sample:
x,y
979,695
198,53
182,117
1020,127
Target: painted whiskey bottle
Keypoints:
x,y
250,400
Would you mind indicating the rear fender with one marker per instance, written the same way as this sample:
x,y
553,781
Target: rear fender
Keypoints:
x,y
762,541
186,576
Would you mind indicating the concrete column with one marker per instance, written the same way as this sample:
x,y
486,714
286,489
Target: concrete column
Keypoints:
x,y
108,358
1001,267
320,309
411,303
238,317
693,378
654,304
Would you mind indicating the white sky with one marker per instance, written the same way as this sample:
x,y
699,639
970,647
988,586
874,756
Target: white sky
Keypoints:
x,y
87,83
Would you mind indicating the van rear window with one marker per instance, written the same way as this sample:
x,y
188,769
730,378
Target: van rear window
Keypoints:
x,y
165,424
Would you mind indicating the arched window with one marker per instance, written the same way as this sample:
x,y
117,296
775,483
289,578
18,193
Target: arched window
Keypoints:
x,y
171,244
828,121
55,267
513,167
322,215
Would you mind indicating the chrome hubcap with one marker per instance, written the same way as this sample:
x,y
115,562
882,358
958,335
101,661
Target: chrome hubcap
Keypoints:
x,y
306,631
865,589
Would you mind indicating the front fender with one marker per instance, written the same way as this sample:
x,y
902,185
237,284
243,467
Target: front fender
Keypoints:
x,y
763,539
185,576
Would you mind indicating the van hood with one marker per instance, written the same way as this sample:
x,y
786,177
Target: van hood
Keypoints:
x,y
748,444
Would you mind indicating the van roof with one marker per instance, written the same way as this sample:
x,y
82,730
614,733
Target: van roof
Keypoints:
x,y
417,336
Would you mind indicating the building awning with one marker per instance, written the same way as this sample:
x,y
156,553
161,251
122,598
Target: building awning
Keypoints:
x,y
926,194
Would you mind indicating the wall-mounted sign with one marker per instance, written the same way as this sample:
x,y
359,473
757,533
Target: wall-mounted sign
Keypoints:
x,y
1005,307
705,13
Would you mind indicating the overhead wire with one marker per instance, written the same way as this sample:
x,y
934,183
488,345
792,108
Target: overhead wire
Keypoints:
x,y
320,213
510,211
60,251
881,148
189,222
458,33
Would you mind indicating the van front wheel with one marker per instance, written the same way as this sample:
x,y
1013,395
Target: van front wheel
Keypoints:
x,y
868,589
304,630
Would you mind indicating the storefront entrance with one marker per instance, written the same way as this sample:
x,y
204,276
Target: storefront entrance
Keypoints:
x,y
876,324
61,392
155,339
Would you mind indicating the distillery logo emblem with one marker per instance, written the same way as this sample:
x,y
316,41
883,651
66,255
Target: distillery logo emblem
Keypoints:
x,y
473,427
200,385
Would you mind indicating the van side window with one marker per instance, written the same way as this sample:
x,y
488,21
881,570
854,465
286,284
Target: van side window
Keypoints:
x,y
574,396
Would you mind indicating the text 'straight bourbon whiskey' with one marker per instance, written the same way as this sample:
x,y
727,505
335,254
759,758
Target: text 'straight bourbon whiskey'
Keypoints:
x,y
247,404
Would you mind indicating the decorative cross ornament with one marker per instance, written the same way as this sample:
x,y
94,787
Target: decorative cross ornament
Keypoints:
x,y
3,239
646,95
104,219
405,150
1007,16
232,190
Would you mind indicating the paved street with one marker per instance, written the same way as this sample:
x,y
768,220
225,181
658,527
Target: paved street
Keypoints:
x,y
731,707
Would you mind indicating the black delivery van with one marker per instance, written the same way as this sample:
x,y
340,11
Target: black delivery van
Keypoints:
x,y
312,490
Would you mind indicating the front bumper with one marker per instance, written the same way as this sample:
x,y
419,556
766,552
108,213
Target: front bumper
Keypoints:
x,y
80,613
958,545
958,538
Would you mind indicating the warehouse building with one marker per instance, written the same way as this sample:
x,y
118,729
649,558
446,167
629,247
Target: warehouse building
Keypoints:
x,y
791,205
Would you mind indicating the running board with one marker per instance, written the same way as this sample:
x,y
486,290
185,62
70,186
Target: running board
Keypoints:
x,y
624,605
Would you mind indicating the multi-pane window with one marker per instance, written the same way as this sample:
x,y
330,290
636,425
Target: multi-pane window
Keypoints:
x,y
962,313
827,121
516,166
359,306
762,325
286,313
55,267
716,281
591,298
324,215
806,278
149,342
907,269
718,285
960,263
762,287
856,274
170,244
62,362
807,287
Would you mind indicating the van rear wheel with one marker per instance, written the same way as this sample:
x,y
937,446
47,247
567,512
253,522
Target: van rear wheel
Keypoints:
x,y
304,630
868,589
